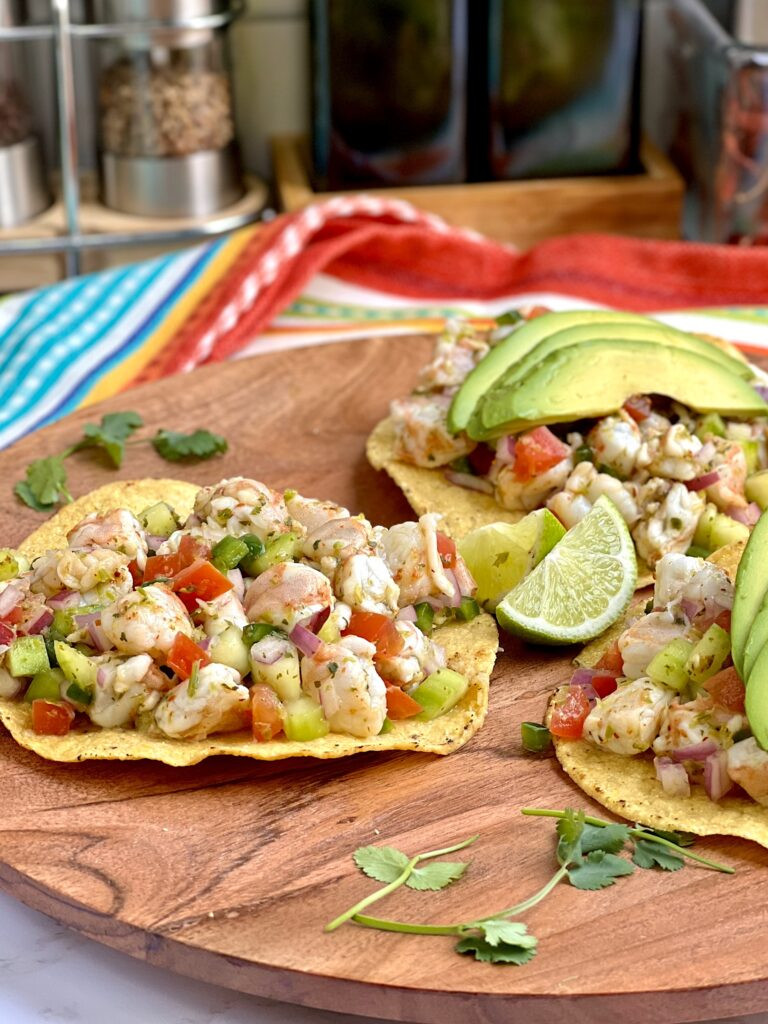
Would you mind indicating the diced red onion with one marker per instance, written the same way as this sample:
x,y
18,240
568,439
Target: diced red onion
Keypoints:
x,y
205,643
673,777
468,481
407,614
455,600
698,483
748,516
235,577
464,578
706,452
717,781
43,617
582,678
481,459
98,637
505,449
6,633
695,751
10,596
268,650
762,390
64,599
104,674
317,621
154,540
83,621
305,640
691,608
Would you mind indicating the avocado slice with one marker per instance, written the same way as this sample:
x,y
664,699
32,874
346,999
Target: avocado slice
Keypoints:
x,y
596,377
756,699
749,593
757,638
517,344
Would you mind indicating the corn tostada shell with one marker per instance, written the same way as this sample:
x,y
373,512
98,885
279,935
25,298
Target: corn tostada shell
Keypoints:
x,y
470,649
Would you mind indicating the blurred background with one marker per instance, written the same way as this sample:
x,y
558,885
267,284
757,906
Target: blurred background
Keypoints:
x,y
128,127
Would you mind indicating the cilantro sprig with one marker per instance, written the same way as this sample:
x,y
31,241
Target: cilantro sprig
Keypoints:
x,y
588,857
45,483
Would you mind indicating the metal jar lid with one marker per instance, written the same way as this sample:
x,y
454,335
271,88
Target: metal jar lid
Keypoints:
x,y
126,12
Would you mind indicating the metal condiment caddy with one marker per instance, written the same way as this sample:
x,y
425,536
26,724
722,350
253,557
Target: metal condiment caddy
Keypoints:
x,y
166,135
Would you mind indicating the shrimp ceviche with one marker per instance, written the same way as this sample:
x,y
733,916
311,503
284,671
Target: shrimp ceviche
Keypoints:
x,y
667,691
265,611
683,480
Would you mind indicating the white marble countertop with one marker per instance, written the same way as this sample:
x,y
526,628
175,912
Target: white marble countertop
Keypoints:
x,y
50,975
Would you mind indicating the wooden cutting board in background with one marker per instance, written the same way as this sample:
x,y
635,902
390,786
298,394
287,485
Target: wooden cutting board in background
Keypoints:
x,y
228,870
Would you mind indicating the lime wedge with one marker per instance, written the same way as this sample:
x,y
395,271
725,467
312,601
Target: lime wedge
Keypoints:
x,y
501,554
581,587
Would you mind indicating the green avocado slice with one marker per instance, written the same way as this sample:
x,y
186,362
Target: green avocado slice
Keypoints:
x,y
756,699
595,378
517,344
750,591
656,334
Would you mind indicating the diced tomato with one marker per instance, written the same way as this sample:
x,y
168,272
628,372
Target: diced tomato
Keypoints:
x,y
183,655
446,548
14,616
136,574
267,713
481,459
200,581
604,683
726,689
399,704
537,451
723,620
638,407
190,550
7,635
50,718
378,630
567,719
612,660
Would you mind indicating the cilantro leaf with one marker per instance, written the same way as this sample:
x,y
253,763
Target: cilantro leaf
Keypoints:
x,y
436,876
503,953
569,830
598,870
110,435
384,863
200,444
650,855
45,485
679,838
609,838
502,930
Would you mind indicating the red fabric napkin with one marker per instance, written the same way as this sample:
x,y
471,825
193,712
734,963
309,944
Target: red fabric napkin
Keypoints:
x,y
391,246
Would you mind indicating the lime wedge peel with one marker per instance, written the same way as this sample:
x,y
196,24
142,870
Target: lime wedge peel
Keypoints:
x,y
581,587
500,555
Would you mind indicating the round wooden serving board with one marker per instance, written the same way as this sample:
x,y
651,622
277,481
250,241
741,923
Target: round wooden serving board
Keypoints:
x,y
227,871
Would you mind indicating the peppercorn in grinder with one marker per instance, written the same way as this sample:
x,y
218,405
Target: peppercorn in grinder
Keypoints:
x,y
166,124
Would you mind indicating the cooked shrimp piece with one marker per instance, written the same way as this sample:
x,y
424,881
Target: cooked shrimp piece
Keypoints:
x,y
582,489
421,431
222,612
364,582
748,767
627,720
515,494
616,440
457,351
311,513
215,701
419,657
119,530
683,578
673,454
337,539
685,725
146,621
670,514
241,505
120,691
343,679
569,507
410,551
643,640
287,594
731,463
99,575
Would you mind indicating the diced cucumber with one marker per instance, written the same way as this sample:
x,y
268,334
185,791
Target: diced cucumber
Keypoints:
x,y
11,564
726,531
756,488
751,451
425,617
386,726
275,662
256,549
228,553
304,720
711,425
703,535
281,549
159,519
709,655
694,552
438,693
64,618
668,666
76,666
46,685
27,656
256,631
228,648
468,609
80,695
